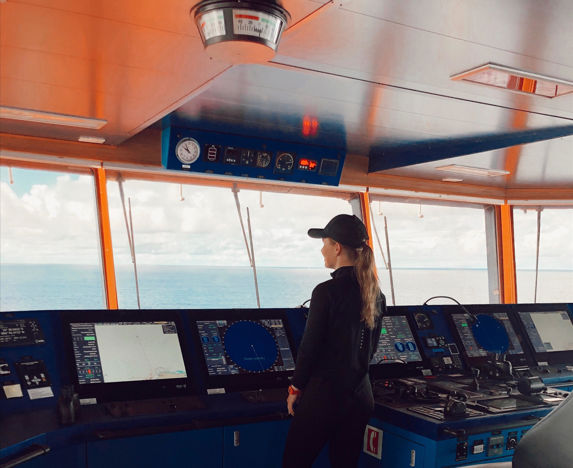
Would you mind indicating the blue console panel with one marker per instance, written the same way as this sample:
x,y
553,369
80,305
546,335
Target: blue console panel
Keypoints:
x,y
445,403
209,152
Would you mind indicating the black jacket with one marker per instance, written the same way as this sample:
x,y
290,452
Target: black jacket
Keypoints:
x,y
337,345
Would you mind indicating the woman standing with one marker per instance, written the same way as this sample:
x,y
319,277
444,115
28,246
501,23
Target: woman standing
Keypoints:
x,y
341,335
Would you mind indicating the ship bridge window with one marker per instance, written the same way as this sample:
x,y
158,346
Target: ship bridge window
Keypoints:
x,y
434,250
544,274
49,248
190,251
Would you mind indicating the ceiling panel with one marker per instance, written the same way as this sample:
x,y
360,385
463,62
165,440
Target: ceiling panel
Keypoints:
x,y
372,72
173,17
415,50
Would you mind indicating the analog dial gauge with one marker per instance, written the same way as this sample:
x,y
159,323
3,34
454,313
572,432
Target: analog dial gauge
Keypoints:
x,y
284,163
187,150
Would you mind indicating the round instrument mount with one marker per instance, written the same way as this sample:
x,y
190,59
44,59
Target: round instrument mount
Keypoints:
x,y
241,31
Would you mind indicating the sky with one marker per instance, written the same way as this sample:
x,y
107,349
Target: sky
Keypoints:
x,y
48,217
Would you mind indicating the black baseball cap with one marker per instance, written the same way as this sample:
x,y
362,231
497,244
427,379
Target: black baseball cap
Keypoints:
x,y
343,228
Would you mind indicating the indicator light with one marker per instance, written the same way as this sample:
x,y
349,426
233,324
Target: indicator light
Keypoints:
x,y
306,164
309,126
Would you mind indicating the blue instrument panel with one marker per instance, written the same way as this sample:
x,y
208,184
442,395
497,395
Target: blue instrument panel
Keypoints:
x,y
211,152
436,339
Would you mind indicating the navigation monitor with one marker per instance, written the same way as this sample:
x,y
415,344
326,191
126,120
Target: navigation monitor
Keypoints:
x,y
471,347
245,351
127,352
396,342
549,332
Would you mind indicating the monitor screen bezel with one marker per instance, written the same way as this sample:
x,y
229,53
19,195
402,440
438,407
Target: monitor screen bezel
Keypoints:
x,y
129,390
549,357
487,309
240,382
397,369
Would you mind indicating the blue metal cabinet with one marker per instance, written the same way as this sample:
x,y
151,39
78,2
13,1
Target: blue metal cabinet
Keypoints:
x,y
257,445
73,456
190,449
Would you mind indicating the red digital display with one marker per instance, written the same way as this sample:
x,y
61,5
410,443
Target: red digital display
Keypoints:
x,y
307,164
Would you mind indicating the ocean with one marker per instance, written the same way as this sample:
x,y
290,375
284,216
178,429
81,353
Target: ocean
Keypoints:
x,y
37,287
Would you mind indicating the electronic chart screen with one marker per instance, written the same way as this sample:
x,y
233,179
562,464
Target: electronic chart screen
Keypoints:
x,y
396,342
113,352
245,346
548,332
471,347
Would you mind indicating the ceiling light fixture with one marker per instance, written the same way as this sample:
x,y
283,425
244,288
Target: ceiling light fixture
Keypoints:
x,y
237,31
516,80
476,171
29,115
91,139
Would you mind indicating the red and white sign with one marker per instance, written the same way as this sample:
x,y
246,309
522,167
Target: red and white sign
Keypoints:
x,y
373,441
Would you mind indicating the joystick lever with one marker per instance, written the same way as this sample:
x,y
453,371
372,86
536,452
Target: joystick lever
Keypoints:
x,y
475,375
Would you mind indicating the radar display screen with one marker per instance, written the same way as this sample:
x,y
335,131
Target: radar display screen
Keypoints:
x,y
469,343
396,342
254,346
548,331
126,351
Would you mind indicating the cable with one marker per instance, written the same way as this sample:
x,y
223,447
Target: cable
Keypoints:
x,y
470,314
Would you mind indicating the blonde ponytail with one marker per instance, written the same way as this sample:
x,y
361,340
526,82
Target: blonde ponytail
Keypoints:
x,y
369,290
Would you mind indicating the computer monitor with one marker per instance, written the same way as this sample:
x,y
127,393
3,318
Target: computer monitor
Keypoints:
x,y
550,334
472,350
244,350
398,351
122,355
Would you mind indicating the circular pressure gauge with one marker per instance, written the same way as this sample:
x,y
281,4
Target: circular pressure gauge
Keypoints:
x,y
187,150
284,163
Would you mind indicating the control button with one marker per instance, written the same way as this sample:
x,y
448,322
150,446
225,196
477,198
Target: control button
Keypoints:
x,y
4,367
411,346
399,346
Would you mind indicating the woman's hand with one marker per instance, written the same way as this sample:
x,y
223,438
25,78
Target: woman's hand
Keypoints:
x,y
291,399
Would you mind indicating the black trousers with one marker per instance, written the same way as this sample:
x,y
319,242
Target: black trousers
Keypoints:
x,y
327,415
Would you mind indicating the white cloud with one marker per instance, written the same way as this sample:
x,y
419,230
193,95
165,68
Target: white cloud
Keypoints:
x,y
56,223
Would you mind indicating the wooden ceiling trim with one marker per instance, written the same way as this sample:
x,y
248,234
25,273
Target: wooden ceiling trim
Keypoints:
x,y
143,152
143,149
